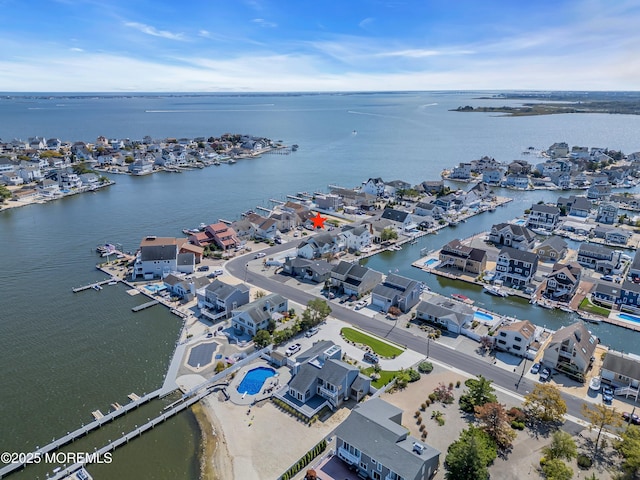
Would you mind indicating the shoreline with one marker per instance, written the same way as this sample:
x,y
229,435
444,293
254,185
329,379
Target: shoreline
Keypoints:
x,y
213,456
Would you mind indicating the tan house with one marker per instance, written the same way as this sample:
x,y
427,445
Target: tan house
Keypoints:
x,y
516,337
570,351
552,249
468,259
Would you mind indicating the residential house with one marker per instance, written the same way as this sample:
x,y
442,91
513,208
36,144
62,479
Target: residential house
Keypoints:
x,y
374,186
519,167
69,180
12,178
396,291
468,259
512,235
461,172
599,192
480,191
612,235
485,163
515,337
186,262
561,179
601,259
396,185
373,440
634,268
563,281
516,267
517,180
7,166
606,293
30,174
580,207
354,279
377,226
222,235
318,245
552,249
431,187
558,149
219,299
630,296
316,271
329,201
607,213
183,288
451,201
427,209
570,350
157,257
254,316
49,188
265,228
543,217
141,166
622,370
356,238
453,316
403,221
321,378
185,247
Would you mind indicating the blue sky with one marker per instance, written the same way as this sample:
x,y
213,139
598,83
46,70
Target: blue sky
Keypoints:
x,y
319,45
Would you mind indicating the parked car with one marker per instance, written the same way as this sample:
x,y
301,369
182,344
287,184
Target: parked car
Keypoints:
x,y
311,332
361,304
203,268
631,417
260,255
545,374
291,349
215,273
371,357
535,368
607,278
607,394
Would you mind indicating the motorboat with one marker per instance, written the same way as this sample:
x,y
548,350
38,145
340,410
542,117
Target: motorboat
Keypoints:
x,y
594,384
590,318
494,290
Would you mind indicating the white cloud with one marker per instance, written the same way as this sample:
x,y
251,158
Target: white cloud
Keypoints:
x,y
366,22
264,23
421,53
76,49
149,30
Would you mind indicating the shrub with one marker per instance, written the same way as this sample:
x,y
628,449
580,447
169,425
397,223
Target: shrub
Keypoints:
x,y
517,425
424,434
427,402
423,406
450,385
584,461
458,384
417,414
414,376
425,367
432,397
419,420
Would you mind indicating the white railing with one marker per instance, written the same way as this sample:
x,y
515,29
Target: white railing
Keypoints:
x,y
347,456
328,393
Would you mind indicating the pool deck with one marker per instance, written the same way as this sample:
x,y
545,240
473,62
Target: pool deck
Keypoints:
x,y
614,319
282,377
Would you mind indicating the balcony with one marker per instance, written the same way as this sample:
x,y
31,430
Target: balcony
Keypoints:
x,y
328,393
348,457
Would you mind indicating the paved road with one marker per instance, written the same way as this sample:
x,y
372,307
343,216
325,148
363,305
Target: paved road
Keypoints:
x,y
462,361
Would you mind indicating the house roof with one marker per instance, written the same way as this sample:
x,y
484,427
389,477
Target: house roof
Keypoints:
x,y
342,268
517,230
586,248
622,364
335,371
305,377
520,255
261,303
153,241
577,334
371,427
440,307
186,258
524,327
630,286
158,252
224,290
607,289
554,242
172,280
394,215
315,350
581,203
542,208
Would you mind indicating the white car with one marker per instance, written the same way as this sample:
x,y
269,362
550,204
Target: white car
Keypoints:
x,y
361,304
260,255
291,349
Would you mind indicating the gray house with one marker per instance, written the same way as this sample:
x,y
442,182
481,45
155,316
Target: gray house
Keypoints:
x,y
601,259
313,270
396,291
354,279
441,310
219,299
373,440
511,235
256,315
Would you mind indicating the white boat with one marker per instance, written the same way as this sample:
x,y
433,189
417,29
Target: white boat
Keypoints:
x,y
590,318
546,305
567,309
594,384
493,290
97,287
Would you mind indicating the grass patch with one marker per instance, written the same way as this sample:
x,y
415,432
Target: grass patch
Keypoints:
x,y
586,304
379,347
385,376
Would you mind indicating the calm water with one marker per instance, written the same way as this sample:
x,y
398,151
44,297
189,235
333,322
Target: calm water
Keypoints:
x,y
67,354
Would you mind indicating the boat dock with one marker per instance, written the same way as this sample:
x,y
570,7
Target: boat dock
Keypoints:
x,y
133,397
97,414
95,286
82,431
137,308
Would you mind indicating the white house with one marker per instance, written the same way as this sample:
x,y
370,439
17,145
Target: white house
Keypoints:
x,y
515,337
374,186
256,315
158,256
356,238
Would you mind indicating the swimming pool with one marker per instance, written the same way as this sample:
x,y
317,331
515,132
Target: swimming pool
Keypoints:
x,y
520,221
155,288
254,380
630,318
430,262
485,317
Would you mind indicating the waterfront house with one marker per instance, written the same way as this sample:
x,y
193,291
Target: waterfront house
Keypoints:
x,y
396,291
285,220
634,269
219,299
183,288
606,293
599,192
427,209
630,296
622,371
157,257
601,259
552,249
563,281
321,378
12,178
515,337
353,198
318,245
30,174
561,179
354,279
446,313
467,259
141,166
431,187
451,201
403,221
480,191
558,149
329,201
390,188
519,167
222,235
517,180
612,235
254,316
512,235
543,217
373,441
461,172
49,188
312,270
607,213
69,180
580,207
185,247
492,176
356,238
570,350
377,226
374,186
24,193
7,166
516,267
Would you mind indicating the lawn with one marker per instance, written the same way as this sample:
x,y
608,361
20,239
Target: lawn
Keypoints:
x,y
379,347
385,376
590,307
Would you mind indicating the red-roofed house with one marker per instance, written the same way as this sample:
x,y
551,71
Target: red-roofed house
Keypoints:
x,y
223,235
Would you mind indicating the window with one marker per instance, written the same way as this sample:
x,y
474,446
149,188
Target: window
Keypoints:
x,y
502,342
516,347
517,339
363,466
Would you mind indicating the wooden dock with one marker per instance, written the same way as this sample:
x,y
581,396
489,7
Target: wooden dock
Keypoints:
x,y
91,285
133,397
145,305
97,414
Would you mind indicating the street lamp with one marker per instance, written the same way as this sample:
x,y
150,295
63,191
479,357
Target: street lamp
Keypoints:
x,y
246,271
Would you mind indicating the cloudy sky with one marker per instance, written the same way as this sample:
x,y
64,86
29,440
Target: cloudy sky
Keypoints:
x,y
318,45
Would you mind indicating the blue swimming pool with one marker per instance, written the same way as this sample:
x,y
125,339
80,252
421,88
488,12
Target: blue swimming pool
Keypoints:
x,y
630,318
485,317
254,380
430,262
520,221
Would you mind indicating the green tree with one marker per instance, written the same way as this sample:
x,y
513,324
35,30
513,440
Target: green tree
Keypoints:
x,y
562,446
600,417
557,470
629,448
317,311
469,456
545,404
388,234
262,338
480,392
4,193
493,419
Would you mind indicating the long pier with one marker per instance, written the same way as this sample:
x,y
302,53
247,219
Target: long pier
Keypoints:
x,y
91,285
137,308
82,431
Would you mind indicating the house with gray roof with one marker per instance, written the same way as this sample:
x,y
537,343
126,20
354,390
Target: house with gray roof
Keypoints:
x,y
467,259
512,235
402,220
254,316
622,371
373,440
157,257
318,245
634,268
312,270
356,238
552,249
445,312
516,267
570,350
218,299
607,213
354,279
606,293
601,259
543,217
321,378
563,281
396,291
612,235
428,209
